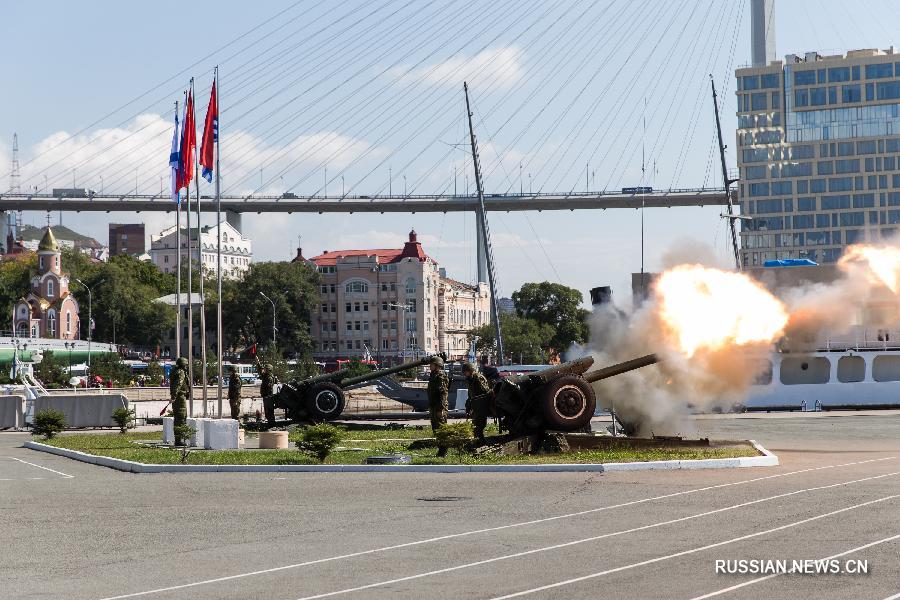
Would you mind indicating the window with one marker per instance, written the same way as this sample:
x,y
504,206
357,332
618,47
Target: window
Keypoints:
x,y
759,189
806,204
68,322
51,323
879,71
349,307
803,186
356,307
349,344
757,172
863,200
334,328
331,287
851,93
356,325
41,262
888,90
840,184
838,74
50,290
867,147
817,186
756,155
846,166
410,324
782,188
411,306
324,308
870,91
825,167
804,77
758,101
817,96
845,148
768,206
802,222
324,326
750,82
357,287
410,285
349,325
852,219
769,80
835,202
365,307
801,97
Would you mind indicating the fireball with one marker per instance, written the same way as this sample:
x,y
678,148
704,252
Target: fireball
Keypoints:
x,y
703,308
881,263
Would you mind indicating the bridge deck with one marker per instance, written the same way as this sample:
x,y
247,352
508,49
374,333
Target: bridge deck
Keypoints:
x,y
351,204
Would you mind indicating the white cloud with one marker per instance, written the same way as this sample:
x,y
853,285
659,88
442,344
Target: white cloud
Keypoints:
x,y
501,67
135,156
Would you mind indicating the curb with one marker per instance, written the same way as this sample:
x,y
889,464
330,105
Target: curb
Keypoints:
x,y
766,460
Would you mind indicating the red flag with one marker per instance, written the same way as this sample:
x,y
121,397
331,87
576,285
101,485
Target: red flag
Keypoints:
x,y
188,144
210,135
253,348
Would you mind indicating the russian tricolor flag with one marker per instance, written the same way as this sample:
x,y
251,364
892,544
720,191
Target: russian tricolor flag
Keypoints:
x,y
210,135
175,159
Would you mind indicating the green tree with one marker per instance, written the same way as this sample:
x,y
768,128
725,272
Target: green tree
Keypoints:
x,y
247,316
15,280
51,371
110,366
155,373
555,305
524,340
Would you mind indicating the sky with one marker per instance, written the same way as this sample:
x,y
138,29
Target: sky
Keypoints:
x,y
360,97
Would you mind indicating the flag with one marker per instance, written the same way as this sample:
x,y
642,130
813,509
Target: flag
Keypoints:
x,y
188,143
175,159
210,135
253,348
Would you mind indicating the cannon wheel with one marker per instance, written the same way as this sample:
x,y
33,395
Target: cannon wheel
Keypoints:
x,y
325,401
567,403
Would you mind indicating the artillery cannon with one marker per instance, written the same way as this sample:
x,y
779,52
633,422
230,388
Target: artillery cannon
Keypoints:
x,y
558,398
321,398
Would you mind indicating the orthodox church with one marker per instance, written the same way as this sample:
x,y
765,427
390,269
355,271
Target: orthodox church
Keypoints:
x,y
49,310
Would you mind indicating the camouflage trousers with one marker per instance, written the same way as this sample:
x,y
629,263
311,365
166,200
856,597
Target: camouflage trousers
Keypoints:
x,y
438,417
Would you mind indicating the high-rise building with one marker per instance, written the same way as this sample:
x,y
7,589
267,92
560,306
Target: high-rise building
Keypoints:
x,y
818,143
126,238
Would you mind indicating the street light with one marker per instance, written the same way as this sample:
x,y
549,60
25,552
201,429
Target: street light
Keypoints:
x,y
69,346
90,318
273,315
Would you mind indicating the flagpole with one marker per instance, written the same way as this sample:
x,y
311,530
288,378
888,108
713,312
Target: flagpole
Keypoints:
x,y
218,252
177,258
190,276
200,271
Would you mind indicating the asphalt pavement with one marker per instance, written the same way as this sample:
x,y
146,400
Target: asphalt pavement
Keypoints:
x,y
72,530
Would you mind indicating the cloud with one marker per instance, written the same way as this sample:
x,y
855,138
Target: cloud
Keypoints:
x,y
135,156
501,67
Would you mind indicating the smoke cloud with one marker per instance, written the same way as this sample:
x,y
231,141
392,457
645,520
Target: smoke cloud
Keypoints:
x,y
715,329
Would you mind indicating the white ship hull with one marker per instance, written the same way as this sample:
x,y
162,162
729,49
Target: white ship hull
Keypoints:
x,y
828,380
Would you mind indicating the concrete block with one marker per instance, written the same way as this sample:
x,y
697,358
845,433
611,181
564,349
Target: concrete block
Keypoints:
x,y
168,430
199,437
220,434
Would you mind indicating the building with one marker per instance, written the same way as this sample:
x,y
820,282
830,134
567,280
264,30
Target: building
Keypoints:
x,y
506,306
48,310
167,348
126,238
392,304
237,250
818,143
461,308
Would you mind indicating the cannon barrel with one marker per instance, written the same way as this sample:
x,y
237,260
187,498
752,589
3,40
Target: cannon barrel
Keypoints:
x,y
334,377
622,367
382,372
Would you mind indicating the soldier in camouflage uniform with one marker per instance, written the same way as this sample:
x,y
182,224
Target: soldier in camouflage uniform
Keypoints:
x,y
267,377
234,393
178,392
478,405
438,387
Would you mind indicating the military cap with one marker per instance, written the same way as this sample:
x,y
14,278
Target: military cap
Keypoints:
x,y
437,360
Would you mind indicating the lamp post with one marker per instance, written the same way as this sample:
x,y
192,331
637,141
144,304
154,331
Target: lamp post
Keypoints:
x,y
273,315
69,346
90,319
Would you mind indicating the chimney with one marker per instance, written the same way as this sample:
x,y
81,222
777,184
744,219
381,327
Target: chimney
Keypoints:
x,y
601,295
412,236
762,32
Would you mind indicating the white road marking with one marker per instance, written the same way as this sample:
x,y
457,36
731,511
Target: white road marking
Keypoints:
x,y
833,556
23,479
590,539
487,530
44,468
691,551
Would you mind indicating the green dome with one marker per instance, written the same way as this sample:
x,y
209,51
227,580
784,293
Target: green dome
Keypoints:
x,y
48,242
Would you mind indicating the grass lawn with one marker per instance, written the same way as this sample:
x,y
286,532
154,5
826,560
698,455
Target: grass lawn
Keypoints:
x,y
357,444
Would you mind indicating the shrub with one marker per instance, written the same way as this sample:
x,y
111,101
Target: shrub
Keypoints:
x,y
123,418
183,434
319,440
454,435
49,422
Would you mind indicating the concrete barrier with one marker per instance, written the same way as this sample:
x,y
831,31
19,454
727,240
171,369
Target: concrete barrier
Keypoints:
x,y
221,434
168,430
83,409
199,437
12,411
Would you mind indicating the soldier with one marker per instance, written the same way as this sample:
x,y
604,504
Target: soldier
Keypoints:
x,y
178,391
438,386
478,404
234,393
267,377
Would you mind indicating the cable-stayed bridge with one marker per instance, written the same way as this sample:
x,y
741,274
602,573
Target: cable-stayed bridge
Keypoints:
x,y
290,203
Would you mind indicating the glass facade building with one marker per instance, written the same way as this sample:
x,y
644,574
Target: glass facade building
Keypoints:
x,y
819,154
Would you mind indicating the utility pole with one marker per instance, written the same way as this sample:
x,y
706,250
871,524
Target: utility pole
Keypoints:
x,y
485,230
730,207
